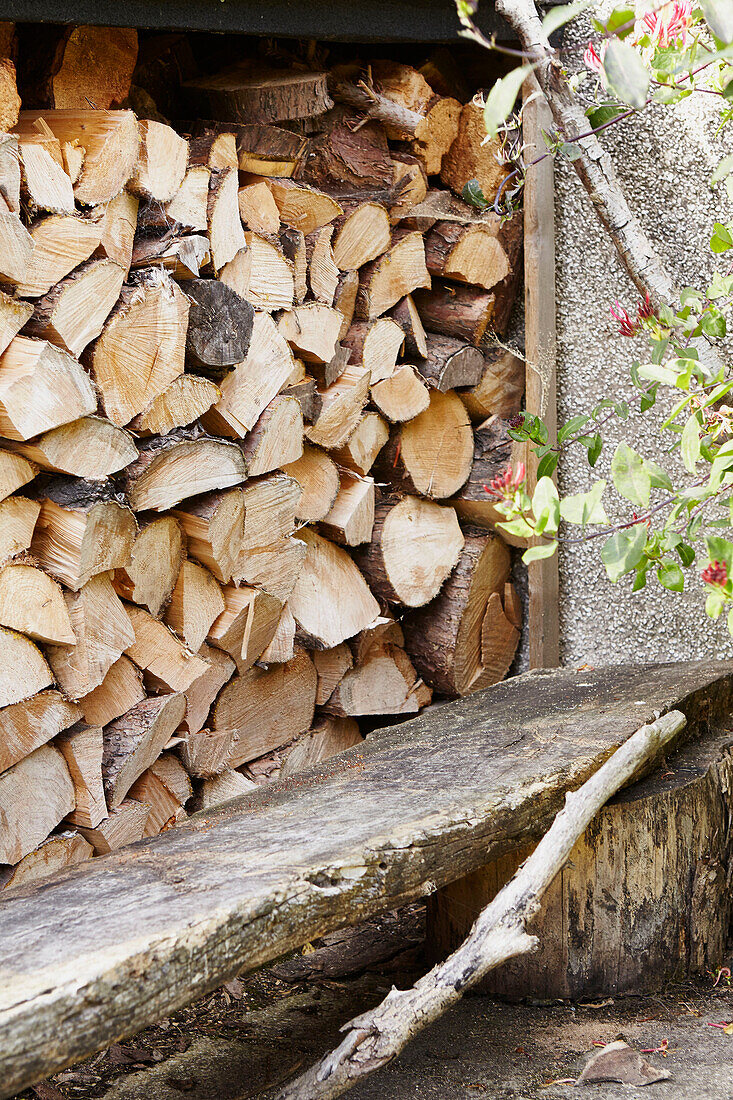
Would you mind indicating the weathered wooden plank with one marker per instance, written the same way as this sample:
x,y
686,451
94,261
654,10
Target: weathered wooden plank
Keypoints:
x,y
97,952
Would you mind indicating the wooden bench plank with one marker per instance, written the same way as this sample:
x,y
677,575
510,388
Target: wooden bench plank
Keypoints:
x,y
102,949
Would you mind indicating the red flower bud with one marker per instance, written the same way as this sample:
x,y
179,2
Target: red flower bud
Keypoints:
x,y
716,574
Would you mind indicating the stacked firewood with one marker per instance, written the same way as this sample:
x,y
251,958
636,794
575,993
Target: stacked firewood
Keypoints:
x,y
250,397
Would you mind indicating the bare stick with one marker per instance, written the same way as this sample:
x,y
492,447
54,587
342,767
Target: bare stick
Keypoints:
x,y
375,1038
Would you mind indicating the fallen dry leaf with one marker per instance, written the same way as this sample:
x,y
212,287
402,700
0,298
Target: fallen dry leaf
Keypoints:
x,y
619,1062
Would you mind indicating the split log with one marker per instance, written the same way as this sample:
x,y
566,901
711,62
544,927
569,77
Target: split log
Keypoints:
x,y
90,65
256,380
331,736
471,157
257,207
349,152
82,530
500,389
183,258
120,691
313,330
266,709
13,316
165,788
9,98
41,387
331,601
345,299
17,248
386,683
261,274
432,454
181,403
110,142
204,753
23,668
124,825
73,313
269,510
170,665
361,234
402,396
318,478
398,272
274,568
482,254
161,163
292,242
18,517
303,207
269,150
134,741
60,243
415,546
328,373
156,556
306,395
33,603
450,364
81,748
102,632
171,469
500,634
45,185
118,225
53,854
214,148
463,312
407,317
219,324
35,795
27,725
10,173
15,471
225,231
243,94
90,448
246,625
194,605
214,529
351,517
444,638
410,183
221,788
384,630
189,206
203,691
341,409
360,451
282,645
331,666
375,345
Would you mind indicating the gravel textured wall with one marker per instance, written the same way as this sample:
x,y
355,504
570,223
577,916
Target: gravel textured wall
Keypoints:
x,y
664,159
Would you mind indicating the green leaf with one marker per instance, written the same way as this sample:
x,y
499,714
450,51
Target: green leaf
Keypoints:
x,y
621,22
473,195
690,444
502,97
546,466
713,323
671,576
714,604
583,508
630,475
570,150
640,578
606,112
719,17
721,239
655,372
594,449
536,553
558,17
719,549
721,286
518,527
624,551
626,74
659,478
546,506
571,427
686,553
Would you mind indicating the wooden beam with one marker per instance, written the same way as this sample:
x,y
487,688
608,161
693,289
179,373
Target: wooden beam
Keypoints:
x,y
541,353
151,927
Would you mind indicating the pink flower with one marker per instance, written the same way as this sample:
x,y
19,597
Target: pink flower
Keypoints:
x,y
593,60
503,485
670,23
626,326
716,574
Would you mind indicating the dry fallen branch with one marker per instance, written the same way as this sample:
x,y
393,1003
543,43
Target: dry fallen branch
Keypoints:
x,y
375,1038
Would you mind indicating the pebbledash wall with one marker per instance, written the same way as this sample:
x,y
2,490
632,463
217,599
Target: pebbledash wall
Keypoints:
x,y
664,158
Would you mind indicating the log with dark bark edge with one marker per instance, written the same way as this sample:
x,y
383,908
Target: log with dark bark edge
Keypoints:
x,y
269,150
219,324
266,709
27,725
450,364
414,547
461,312
214,148
44,387
482,254
407,317
444,638
500,388
493,452
246,94
84,528
432,454
76,66
171,468
402,396
133,741
348,153
596,710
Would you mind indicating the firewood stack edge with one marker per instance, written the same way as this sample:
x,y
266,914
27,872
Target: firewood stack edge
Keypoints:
x,y
250,395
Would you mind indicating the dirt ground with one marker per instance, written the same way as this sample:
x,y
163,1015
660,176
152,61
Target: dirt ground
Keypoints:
x,y
260,1030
